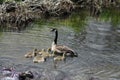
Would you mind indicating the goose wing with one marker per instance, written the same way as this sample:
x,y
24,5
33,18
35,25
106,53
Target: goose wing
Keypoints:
x,y
62,48
67,50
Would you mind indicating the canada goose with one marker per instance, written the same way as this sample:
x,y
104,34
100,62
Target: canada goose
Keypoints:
x,y
38,59
31,54
46,54
61,48
60,58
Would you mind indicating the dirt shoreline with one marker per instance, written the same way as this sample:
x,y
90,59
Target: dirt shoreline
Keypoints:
x,y
17,15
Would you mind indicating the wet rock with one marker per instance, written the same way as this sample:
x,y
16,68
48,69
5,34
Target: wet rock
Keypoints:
x,y
19,15
6,72
26,75
9,78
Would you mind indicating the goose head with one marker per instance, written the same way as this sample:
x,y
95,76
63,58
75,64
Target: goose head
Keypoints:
x,y
49,50
35,52
45,53
31,53
42,51
56,36
53,30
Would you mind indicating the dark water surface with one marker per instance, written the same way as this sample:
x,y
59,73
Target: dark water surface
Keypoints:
x,y
97,45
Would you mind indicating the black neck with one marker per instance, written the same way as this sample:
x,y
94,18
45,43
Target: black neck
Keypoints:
x,y
56,36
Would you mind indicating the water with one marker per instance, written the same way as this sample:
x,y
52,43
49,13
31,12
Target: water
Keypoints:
x,y
97,43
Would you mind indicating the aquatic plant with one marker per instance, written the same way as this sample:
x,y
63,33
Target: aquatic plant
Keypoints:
x,y
111,14
1,1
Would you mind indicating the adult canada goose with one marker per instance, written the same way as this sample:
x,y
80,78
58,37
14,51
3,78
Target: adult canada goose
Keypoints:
x,y
61,48
31,54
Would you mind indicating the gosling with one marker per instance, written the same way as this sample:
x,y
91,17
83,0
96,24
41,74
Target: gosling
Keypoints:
x,y
60,58
45,54
30,54
39,59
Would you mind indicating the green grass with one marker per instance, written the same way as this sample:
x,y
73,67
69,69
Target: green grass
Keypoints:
x,y
1,1
111,14
76,21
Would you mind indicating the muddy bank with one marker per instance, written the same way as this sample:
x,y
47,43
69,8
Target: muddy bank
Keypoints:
x,y
17,15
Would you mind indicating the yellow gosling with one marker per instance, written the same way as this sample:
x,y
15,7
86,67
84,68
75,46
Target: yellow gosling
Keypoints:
x,y
44,53
40,52
60,58
38,59
30,54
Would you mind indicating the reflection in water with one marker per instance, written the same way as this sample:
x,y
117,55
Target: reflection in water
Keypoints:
x,y
98,49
